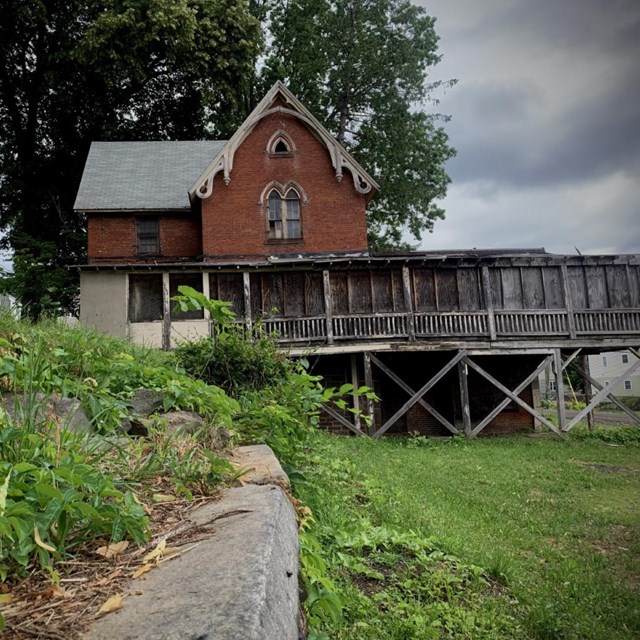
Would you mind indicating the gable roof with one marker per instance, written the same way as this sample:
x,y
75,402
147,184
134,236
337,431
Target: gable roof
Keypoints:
x,y
340,157
142,176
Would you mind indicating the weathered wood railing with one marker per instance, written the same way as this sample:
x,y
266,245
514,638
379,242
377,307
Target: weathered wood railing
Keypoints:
x,y
473,324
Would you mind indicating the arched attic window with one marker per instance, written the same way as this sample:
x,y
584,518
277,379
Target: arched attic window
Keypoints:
x,y
284,215
280,145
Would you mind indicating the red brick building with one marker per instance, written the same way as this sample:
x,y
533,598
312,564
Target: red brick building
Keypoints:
x,y
274,220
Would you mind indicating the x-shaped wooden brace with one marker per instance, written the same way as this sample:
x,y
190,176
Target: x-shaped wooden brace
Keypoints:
x,y
342,420
512,395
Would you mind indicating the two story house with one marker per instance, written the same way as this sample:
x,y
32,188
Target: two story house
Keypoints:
x,y
274,221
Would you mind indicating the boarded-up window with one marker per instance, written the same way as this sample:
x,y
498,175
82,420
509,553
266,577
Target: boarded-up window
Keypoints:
x,y
148,231
145,297
193,280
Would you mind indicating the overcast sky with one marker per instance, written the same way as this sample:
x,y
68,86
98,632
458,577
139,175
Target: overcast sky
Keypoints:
x,y
546,123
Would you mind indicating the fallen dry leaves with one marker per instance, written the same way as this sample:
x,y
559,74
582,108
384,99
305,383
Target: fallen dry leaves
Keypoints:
x,y
95,581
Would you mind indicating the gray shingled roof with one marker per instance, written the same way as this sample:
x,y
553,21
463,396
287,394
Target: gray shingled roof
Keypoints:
x,y
125,176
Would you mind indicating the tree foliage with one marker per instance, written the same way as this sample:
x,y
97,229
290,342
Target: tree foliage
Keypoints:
x,y
361,66
80,70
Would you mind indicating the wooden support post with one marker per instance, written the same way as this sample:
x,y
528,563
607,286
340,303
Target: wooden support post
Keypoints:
x,y
488,302
557,371
463,383
408,306
568,302
246,281
587,392
356,385
166,312
368,381
328,310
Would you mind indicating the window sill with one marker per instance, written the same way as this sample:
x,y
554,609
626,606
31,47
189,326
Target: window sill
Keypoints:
x,y
284,241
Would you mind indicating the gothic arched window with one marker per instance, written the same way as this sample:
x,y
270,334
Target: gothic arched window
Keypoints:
x,y
284,215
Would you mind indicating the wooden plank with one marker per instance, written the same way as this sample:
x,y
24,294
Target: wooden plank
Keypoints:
x,y
382,292
633,278
446,283
339,292
463,384
554,296
576,286
517,391
368,381
567,361
414,398
569,297
294,294
398,288
246,282
231,289
559,378
166,312
603,393
356,386
618,286
588,393
405,387
596,284
511,288
341,419
408,307
495,275
424,289
489,301
532,288
515,398
469,289
359,292
326,284
314,301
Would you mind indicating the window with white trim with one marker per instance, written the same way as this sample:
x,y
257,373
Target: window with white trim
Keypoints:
x,y
604,361
280,145
284,215
627,385
625,358
552,385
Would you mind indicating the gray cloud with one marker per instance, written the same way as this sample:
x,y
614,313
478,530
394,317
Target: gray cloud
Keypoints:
x,y
546,123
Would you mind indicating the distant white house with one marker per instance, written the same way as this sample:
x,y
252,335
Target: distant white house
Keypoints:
x,y
606,367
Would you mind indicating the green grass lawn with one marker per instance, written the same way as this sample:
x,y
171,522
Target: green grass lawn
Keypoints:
x,y
556,522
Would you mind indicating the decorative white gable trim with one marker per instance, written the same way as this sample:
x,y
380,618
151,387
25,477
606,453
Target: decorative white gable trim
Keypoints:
x,y
280,135
282,189
340,157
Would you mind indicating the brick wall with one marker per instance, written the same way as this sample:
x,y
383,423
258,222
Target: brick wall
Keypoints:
x,y
112,238
235,224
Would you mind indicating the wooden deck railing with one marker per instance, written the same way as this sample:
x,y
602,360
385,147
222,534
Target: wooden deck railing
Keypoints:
x,y
471,324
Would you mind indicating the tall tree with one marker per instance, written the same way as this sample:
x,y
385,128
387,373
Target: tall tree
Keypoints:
x,y
362,67
74,71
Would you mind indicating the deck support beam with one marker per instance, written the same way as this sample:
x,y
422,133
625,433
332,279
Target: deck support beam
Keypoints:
x,y
463,382
368,382
558,373
342,420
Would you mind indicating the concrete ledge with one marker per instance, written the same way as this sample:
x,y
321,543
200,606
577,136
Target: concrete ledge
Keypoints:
x,y
239,584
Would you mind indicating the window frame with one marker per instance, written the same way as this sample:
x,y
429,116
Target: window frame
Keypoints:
x,y
628,386
625,358
148,236
279,219
280,137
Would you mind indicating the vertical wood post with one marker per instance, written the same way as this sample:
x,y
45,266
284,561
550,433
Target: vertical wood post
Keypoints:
x,y
557,370
368,381
356,385
463,379
328,311
246,282
488,302
588,392
206,291
568,302
408,306
166,312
